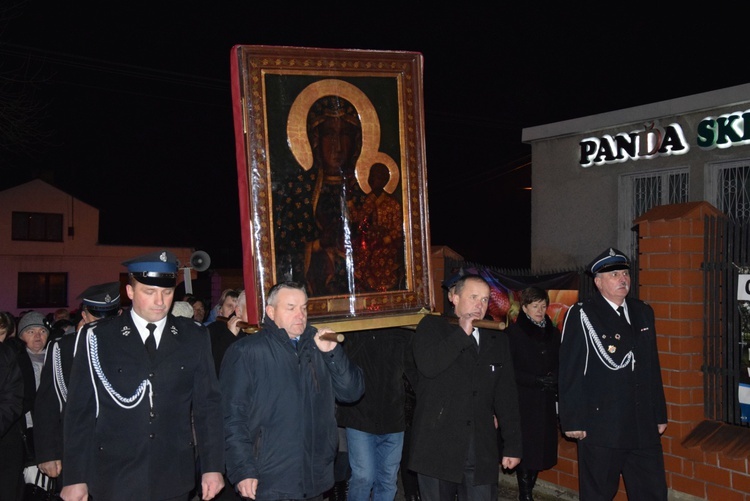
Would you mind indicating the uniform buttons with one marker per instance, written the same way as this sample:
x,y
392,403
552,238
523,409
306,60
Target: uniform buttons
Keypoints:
x,y
151,435
150,374
152,414
182,367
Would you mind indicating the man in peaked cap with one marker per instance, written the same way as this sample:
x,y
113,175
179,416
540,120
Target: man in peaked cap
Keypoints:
x,y
97,302
609,260
100,301
127,430
611,397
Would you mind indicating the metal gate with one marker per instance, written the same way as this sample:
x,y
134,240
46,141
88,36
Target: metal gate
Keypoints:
x,y
725,354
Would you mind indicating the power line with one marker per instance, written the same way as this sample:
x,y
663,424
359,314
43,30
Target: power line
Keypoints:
x,y
114,68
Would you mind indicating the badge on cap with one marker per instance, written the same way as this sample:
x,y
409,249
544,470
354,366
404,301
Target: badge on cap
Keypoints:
x,y
101,297
609,260
158,269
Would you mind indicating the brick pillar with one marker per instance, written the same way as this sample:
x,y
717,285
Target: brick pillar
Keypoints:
x,y
671,281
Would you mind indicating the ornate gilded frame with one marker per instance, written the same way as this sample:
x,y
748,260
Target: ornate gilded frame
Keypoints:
x,y
272,90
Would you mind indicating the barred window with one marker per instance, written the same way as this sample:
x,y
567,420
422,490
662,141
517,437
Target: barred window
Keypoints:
x,y
733,190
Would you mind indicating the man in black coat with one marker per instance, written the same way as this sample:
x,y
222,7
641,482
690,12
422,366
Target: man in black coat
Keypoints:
x,y
375,424
98,301
142,385
11,416
465,382
610,388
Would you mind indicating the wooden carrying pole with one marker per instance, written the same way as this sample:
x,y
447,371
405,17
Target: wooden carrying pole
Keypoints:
x,y
482,324
252,329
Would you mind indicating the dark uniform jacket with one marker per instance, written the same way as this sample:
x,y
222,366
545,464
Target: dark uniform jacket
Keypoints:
x,y
458,392
279,411
50,398
536,353
116,441
380,354
610,380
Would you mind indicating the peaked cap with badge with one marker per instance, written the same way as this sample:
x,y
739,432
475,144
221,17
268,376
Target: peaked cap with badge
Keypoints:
x,y
609,260
102,298
158,269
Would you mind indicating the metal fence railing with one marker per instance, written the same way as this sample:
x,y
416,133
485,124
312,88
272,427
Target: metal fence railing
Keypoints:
x,y
725,354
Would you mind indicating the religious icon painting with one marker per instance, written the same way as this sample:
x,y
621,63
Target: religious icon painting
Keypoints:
x,y
332,179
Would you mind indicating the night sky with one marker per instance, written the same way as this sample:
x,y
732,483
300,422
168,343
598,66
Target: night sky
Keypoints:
x,y
128,107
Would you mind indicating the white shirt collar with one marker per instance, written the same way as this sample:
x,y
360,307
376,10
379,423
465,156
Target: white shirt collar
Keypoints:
x,y
140,324
614,306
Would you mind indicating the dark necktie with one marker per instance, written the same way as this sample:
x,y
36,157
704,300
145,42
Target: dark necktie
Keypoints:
x,y
151,340
621,311
294,341
476,343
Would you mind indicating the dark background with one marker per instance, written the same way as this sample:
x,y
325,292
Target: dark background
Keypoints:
x,y
127,106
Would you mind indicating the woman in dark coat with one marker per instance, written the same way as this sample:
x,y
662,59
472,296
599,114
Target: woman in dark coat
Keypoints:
x,y
535,345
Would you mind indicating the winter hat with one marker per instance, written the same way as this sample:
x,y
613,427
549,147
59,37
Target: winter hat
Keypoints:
x,y
29,320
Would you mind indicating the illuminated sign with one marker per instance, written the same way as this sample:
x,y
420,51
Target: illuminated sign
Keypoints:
x,y
724,131
651,142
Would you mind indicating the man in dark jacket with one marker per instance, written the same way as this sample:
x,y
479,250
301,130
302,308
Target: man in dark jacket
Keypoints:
x,y
279,389
611,394
98,301
142,385
11,414
464,384
375,424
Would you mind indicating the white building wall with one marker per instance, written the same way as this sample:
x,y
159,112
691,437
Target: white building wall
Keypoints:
x,y
576,211
79,254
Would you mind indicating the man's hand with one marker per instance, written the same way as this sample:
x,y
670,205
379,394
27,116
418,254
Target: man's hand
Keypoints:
x,y
509,463
211,482
467,322
325,346
75,492
248,487
578,434
232,324
51,468
662,428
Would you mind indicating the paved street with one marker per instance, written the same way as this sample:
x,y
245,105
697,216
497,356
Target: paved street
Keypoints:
x,y
508,491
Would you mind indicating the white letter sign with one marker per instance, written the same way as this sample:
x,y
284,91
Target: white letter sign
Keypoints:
x,y
743,288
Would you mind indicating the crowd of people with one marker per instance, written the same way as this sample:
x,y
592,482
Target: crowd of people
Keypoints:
x,y
168,400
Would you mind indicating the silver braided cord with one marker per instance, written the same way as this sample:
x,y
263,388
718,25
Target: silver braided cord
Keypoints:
x,y
601,352
61,389
97,372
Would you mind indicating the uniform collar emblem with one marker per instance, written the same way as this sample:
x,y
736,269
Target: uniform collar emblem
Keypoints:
x,y
125,330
